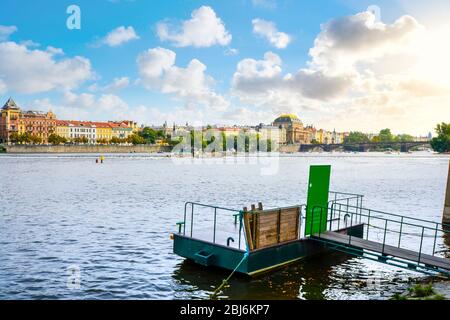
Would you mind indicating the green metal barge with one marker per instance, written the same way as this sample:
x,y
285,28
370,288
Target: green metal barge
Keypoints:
x,y
256,241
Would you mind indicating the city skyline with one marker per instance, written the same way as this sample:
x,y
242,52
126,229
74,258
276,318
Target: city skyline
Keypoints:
x,y
343,68
136,124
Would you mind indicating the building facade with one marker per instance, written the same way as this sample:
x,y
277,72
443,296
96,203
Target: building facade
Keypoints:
x,y
120,130
296,133
15,121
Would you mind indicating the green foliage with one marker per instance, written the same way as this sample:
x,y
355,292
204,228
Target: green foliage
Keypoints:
x,y
150,135
24,138
420,292
386,136
56,140
115,140
81,140
441,143
356,137
136,139
103,141
405,138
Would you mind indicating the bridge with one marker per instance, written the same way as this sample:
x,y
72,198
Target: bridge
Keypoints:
x,y
392,239
364,147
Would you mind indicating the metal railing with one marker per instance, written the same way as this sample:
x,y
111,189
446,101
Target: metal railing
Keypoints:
x,y
393,229
189,218
187,226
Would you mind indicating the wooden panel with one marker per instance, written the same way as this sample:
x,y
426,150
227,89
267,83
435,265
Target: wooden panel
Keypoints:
x,y
272,227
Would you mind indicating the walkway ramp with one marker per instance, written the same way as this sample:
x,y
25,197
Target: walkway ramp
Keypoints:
x,y
386,252
406,242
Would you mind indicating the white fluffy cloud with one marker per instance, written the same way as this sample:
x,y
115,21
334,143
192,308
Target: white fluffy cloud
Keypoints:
x,y
6,31
263,80
268,30
362,75
120,36
33,71
346,41
159,72
204,29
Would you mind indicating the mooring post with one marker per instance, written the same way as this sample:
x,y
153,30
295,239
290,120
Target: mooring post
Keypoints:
x,y
446,215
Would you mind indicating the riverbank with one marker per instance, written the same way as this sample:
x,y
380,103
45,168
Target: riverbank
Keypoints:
x,y
103,149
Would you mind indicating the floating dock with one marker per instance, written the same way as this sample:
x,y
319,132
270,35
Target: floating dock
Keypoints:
x,y
257,240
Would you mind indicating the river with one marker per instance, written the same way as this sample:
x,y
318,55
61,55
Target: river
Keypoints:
x,y
111,223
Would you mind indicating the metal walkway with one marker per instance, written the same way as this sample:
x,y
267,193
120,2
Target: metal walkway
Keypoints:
x,y
414,260
405,242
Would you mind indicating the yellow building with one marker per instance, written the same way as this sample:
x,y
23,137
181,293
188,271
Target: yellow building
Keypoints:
x,y
104,131
62,129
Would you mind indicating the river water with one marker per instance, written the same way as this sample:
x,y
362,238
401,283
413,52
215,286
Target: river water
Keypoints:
x,y
108,225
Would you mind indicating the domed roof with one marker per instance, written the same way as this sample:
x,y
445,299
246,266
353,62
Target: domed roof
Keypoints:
x,y
10,105
292,118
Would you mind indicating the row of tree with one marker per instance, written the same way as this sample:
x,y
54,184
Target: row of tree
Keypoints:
x,y
146,136
244,142
385,136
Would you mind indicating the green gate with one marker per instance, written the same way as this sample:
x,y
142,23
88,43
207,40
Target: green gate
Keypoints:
x,y
318,190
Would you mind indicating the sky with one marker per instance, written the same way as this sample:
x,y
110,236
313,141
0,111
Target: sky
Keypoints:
x,y
349,65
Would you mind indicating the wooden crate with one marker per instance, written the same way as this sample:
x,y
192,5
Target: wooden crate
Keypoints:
x,y
266,228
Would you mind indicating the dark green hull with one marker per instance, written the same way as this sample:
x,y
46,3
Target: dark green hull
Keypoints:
x,y
258,261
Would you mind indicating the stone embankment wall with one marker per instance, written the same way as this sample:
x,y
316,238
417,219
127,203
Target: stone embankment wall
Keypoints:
x,y
87,149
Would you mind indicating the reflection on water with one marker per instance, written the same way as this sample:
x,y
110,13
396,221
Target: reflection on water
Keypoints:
x,y
112,223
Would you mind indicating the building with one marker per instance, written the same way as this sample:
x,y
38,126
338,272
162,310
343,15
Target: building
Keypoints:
x,y
296,133
273,133
63,129
9,120
14,120
120,130
104,131
82,129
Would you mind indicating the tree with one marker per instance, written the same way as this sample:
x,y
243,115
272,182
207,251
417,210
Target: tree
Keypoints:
x,y
356,137
386,136
35,139
405,138
115,140
102,141
82,140
56,140
441,143
136,139
14,137
149,135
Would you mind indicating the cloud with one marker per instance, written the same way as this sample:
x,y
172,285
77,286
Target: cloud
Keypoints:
x,y
359,69
204,29
6,31
34,71
268,30
267,4
116,85
159,72
262,80
345,41
231,52
120,36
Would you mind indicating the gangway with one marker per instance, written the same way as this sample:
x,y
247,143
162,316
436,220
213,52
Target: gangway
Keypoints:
x,y
388,238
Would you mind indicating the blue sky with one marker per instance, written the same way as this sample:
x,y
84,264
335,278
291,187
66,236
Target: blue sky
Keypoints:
x,y
41,24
